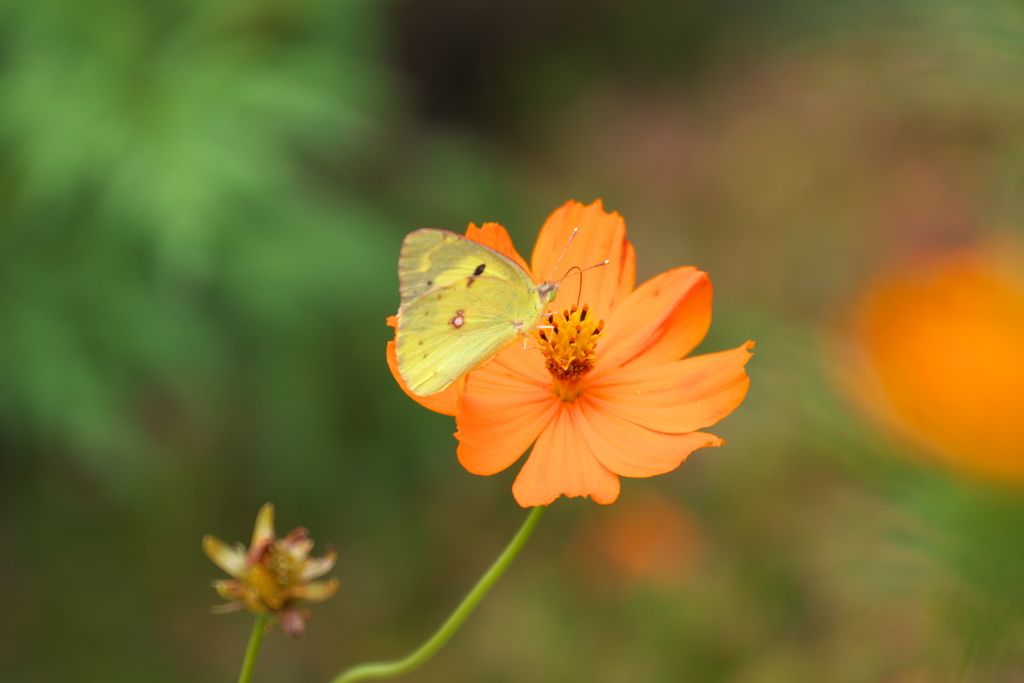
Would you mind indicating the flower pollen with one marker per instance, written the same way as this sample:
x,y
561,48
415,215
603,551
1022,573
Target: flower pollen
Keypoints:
x,y
568,346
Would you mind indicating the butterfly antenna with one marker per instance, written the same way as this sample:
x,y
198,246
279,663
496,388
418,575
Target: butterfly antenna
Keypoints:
x,y
580,271
565,249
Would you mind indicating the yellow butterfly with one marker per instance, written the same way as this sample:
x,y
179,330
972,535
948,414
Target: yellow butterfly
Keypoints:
x,y
461,303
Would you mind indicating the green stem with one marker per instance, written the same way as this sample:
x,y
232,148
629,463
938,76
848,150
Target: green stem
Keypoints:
x,y
255,640
399,667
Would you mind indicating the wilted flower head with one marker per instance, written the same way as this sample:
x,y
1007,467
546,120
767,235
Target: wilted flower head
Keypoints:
x,y
273,574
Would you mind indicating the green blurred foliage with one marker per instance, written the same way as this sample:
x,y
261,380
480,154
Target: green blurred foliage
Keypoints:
x,y
160,218
200,210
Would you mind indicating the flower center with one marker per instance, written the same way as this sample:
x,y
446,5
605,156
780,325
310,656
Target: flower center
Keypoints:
x,y
270,577
264,588
568,347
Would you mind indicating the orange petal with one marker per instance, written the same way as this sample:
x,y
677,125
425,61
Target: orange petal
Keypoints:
x,y
496,237
445,402
563,464
629,450
601,236
662,321
512,367
678,397
496,428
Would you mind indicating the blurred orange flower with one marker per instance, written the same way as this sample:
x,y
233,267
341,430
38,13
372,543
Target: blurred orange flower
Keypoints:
x,y
938,351
652,541
608,393
273,574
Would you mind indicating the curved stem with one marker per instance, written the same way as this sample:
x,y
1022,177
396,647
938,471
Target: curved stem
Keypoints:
x,y
255,640
399,667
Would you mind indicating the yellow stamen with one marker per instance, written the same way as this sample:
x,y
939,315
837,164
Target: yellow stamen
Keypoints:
x,y
569,349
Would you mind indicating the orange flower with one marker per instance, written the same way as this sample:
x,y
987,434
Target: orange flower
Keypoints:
x,y
652,541
937,351
605,392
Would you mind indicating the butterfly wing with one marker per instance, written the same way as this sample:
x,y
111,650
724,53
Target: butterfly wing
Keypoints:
x,y
461,304
432,258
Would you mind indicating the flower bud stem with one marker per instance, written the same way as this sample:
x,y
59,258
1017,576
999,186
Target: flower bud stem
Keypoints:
x,y
399,667
259,629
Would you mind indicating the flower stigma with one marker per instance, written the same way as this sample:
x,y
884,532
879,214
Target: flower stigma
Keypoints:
x,y
568,347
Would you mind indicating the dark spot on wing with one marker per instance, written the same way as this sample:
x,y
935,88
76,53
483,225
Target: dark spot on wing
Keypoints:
x,y
430,283
458,321
420,342
479,270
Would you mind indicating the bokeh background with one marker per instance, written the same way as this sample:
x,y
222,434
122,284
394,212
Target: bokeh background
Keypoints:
x,y
201,205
